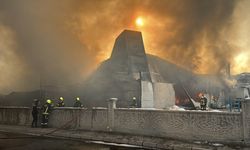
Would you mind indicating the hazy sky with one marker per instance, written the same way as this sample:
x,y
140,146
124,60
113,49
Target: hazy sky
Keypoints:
x,y
61,42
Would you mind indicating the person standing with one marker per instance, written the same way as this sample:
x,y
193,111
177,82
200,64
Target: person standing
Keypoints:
x,y
78,102
133,103
47,107
61,102
35,113
203,102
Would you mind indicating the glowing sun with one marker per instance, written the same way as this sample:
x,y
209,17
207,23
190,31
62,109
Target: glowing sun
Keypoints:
x,y
139,22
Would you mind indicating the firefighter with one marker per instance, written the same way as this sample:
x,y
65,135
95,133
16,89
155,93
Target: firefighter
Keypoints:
x,y
133,103
47,107
34,113
203,102
60,102
78,102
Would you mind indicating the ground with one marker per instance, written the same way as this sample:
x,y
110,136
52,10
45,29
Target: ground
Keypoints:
x,y
10,141
26,138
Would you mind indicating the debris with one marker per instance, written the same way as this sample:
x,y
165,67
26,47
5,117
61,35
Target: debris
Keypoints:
x,y
217,144
176,108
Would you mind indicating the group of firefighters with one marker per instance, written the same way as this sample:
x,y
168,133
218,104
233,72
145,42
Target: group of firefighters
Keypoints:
x,y
47,108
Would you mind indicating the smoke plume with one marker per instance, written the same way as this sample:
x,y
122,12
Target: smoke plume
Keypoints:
x,y
62,42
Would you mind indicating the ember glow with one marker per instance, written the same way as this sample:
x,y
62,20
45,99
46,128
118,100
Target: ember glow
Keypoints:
x,y
242,60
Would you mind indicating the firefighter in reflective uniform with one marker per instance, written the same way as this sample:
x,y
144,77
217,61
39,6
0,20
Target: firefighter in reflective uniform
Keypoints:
x,y
133,103
60,102
78,102
47,107
203,102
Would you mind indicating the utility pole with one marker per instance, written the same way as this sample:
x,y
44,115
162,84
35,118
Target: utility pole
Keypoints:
x,y
40,92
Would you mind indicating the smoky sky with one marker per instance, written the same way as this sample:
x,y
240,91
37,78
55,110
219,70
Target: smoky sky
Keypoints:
x,y
61,42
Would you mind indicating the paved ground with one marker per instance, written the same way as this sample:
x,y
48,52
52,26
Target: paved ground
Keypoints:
x,y
12,141
26,138
19,142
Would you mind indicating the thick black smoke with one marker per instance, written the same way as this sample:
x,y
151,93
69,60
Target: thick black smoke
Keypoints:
x,y
61,41
197,31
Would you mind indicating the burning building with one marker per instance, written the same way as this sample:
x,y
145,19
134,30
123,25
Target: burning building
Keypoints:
x,y
155,82
127,74
131,73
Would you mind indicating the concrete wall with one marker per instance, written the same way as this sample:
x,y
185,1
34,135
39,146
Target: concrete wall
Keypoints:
x,y
164,95
185,125
15,115
85,119
211,126
246,120
147,95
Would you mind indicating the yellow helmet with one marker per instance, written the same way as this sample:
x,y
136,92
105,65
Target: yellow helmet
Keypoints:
x,y
61,98
77,98
49,101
